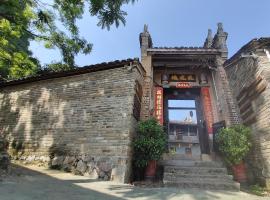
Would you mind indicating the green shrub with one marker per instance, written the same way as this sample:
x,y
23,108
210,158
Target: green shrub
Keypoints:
x,y
234,143
258,190
150,142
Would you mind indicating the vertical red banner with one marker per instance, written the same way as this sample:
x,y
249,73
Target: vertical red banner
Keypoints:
x,y
159,105
207,107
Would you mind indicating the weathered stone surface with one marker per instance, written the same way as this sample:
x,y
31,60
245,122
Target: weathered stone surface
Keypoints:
x,y
44,159
93,174
81,167
57,161
69,160
104,165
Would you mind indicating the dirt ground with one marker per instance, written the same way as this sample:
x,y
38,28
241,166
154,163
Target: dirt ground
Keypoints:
x,y
38,183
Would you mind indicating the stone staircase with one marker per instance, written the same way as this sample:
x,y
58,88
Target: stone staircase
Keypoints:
x,y
195,173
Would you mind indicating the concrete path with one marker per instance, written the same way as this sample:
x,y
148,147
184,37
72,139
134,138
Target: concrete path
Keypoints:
x,y
36,183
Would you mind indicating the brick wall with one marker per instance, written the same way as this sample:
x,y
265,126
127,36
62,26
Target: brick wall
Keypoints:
x,y
243,76
83,123
226,103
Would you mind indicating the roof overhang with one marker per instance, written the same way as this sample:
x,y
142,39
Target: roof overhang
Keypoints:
x,y
183,58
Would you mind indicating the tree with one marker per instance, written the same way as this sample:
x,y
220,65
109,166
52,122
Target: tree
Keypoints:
x,y
25,20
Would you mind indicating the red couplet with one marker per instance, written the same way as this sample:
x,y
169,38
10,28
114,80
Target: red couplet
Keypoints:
x,y
159,105
207,107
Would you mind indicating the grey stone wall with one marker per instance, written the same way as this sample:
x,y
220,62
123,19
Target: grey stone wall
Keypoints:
x,y
241,74
82,123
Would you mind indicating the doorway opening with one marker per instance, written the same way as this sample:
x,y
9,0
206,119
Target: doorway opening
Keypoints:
x,y
184,121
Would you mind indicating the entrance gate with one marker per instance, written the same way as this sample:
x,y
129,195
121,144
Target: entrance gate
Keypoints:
x,y
184,121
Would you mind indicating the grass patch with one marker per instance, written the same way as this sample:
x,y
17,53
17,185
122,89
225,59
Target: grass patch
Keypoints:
x,y
258,190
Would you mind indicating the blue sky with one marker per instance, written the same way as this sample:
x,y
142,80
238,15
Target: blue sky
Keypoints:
x,y
171,23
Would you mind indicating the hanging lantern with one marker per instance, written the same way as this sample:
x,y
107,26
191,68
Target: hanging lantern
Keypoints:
x,y
165,79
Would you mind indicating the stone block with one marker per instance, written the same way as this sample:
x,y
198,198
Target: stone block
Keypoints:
x,y
57,161
81,167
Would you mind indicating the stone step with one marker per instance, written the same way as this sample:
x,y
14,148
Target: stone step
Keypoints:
x,y
184,170
181,157
191,163
215,185
175,177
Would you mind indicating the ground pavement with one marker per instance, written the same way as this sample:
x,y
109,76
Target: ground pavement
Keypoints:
x,y
37,183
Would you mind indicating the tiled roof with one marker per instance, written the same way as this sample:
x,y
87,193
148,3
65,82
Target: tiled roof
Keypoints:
x,y
76,71
182,49
250,46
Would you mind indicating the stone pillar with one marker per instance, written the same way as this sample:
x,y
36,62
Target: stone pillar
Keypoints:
x,y
146,60
226,105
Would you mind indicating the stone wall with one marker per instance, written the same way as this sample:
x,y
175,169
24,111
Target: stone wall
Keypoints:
x,y
249,79
82,123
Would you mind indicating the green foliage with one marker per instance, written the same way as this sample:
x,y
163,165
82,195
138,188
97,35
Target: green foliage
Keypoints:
x,y
25,20
57,67
234,143
150,142
15,58
258,190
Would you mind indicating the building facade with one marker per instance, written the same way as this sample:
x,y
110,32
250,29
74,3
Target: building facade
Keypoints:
x,y
248,72
84,120
187,90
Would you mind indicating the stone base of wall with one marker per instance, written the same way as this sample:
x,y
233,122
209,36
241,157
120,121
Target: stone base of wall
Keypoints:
x,y
100,168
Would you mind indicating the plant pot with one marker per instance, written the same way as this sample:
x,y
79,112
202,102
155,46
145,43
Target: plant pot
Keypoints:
x,y
239,172
151,169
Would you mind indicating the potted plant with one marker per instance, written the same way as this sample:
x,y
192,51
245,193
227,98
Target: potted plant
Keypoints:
x,y
234,144
149,145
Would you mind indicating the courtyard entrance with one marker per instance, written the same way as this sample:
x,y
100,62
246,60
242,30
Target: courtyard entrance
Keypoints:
x,y
184,121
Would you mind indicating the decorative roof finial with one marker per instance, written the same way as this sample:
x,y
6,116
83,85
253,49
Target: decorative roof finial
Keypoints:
x,y
145,28
145,40
220,40
209,40
220,27
209,35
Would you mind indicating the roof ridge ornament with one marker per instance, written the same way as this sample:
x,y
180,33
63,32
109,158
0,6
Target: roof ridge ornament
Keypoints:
x,y
219,41
145,28
209,40
220,28
145,40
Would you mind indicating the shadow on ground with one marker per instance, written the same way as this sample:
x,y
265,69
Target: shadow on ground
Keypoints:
x,y
32,183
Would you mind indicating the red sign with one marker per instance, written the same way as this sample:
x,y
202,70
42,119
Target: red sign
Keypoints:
x,y
183,85
159,105
207,107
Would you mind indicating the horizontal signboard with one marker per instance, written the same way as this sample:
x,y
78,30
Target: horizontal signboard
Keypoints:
x,y
182,78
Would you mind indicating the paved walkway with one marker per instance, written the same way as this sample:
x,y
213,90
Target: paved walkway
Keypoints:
x,y
35,183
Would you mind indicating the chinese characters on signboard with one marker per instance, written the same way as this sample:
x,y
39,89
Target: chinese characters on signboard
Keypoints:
x,y
183,85
207,107
182,78
159,105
